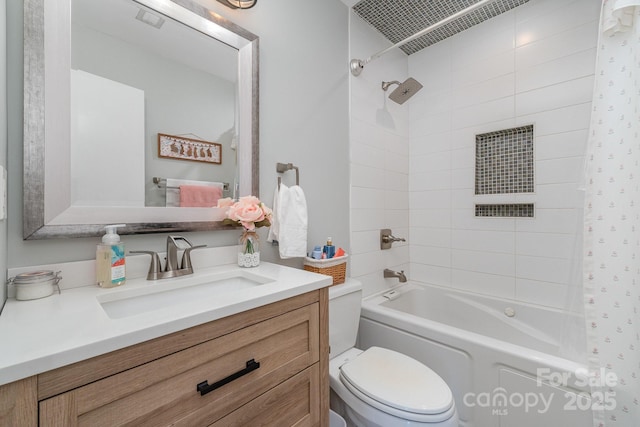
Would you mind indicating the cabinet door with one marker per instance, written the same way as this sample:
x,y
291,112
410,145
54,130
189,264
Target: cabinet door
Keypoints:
x,y
19,403
165,391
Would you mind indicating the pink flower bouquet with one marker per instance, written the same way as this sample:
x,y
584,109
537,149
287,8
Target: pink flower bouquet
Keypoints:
x,y
248,211
251,213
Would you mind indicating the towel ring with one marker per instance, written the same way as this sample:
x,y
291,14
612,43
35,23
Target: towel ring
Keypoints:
x,y
284,167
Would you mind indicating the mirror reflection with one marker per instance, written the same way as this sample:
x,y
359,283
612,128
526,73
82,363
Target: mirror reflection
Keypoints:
x,y
157,100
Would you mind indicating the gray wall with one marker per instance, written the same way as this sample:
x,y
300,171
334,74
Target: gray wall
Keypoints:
x,y
303,120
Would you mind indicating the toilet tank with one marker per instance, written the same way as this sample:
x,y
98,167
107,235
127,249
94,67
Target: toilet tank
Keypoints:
x,y
344,315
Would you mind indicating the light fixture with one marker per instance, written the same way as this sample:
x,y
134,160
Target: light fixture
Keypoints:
x,y
239,4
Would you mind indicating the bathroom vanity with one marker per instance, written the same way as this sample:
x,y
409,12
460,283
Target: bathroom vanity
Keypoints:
x,y
249,362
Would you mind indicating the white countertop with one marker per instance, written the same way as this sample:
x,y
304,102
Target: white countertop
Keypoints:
x,y
55,331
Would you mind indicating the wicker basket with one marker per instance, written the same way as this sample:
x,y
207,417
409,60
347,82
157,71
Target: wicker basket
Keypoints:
x,y
334,267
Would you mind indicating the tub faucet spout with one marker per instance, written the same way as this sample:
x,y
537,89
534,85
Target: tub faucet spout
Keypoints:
x,y
395,274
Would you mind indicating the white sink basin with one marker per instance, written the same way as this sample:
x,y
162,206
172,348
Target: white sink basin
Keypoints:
x,y
172,292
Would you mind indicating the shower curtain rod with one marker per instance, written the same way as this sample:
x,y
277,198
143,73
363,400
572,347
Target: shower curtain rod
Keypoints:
x,y
357,65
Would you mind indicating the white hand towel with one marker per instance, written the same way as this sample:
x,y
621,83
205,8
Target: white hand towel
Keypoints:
x,y
292,218
275,222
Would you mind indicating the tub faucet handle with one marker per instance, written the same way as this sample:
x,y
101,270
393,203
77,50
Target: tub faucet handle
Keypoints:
x,y
391,238
386,239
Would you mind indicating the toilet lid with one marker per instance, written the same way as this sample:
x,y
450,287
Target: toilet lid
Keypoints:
x,y
399,381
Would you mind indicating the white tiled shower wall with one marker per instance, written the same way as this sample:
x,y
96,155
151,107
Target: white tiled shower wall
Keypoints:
x,y
379,149
532,65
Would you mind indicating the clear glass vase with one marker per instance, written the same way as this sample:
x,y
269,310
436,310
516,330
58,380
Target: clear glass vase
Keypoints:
x,y
249,250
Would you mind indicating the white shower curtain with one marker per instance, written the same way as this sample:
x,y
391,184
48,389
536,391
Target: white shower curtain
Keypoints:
x,y
612,219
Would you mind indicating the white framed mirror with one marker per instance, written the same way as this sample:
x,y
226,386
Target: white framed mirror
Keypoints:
x,y
211,99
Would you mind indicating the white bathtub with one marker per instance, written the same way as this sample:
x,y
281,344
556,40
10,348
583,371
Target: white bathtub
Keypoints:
x,y
504,371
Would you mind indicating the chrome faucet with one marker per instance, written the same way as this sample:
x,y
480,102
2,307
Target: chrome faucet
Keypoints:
x,y
394,274
172,268
386,239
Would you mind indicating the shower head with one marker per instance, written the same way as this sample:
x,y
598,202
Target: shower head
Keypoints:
x,y
404,90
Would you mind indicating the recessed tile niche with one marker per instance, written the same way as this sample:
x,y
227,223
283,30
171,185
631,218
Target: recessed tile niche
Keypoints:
x,y
504,165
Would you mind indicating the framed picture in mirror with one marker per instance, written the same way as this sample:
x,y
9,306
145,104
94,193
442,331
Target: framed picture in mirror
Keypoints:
x,y
181,148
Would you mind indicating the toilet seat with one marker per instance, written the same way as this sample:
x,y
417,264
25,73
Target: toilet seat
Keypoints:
x,y
401,386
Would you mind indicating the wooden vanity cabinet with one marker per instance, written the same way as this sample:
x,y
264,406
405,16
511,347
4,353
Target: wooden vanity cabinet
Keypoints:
x,y
270,363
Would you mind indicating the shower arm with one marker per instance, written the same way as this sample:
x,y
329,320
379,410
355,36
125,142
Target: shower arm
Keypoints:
x,y
385,85
356,65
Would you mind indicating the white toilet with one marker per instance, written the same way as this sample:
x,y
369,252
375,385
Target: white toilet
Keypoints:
x,y
380,387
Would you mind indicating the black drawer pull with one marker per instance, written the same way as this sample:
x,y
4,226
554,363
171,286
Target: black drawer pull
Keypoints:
x,y
205,388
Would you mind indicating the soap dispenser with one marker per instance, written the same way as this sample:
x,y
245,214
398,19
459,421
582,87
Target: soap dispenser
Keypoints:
x,y
110,259
329,249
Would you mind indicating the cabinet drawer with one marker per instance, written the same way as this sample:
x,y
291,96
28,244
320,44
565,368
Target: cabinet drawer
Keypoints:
x,y
164,391
293,403
61,380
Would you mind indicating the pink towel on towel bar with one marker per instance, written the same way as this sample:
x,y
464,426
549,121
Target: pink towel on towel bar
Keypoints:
x,y
199,196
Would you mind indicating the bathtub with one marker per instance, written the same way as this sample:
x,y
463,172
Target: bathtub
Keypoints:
x,y
502,360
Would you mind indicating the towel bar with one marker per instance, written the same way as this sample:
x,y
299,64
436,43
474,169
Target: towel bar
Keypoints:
x,y
163,181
